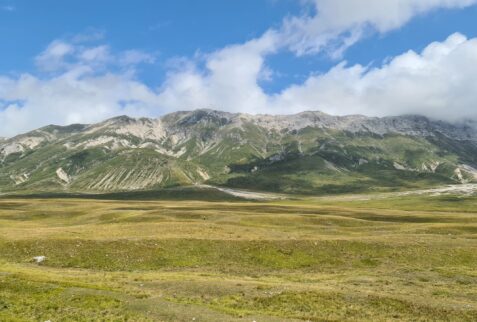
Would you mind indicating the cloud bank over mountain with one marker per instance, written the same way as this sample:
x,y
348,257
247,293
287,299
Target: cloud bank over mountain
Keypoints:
x,y
76,82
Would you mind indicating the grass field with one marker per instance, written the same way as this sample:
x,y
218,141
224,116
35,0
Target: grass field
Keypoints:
x,y
410,258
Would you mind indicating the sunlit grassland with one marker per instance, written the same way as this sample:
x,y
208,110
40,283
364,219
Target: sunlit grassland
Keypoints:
x,y
327,259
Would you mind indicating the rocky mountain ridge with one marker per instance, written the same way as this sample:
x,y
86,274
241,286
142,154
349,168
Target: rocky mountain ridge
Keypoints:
x,y
303,153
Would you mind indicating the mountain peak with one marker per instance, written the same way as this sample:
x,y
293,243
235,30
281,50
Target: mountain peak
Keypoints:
x,y
121,119
293,153
190,118
63,129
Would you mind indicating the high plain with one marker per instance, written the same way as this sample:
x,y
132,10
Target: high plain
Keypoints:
x,y
349,258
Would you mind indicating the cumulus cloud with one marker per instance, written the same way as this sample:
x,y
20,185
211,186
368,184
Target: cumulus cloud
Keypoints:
x,y
134,57
79,83
53,57
30,102
98,54
438,83
335,25
230,79
63,55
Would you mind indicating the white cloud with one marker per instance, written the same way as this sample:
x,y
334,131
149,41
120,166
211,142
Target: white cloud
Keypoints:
x,y
336,25
73,56
53,57
82,85
231,76
89,83
134,57
230,80
65,100
438,82
98,54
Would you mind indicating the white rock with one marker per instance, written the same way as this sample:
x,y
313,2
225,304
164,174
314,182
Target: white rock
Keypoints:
x,y
39,259
203,174
459,175
399,166
63,175
363,161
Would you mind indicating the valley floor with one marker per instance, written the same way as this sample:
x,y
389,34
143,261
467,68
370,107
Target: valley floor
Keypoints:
x,y
406,257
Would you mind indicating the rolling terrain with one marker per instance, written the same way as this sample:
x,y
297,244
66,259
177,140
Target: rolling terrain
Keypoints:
x,y
307,153
385,258
210,216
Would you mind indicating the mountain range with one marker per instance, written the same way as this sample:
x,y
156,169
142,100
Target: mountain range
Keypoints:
x,y
306,153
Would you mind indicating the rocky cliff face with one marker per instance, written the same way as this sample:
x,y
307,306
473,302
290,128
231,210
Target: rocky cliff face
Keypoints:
x,y
307,152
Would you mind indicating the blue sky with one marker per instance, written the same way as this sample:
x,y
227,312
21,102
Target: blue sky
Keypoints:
x,y
148,58
169,28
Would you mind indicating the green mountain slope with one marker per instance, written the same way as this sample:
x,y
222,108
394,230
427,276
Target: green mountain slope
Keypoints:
x,y
309,152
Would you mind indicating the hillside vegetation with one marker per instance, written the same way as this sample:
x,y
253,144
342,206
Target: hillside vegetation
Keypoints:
x,y
307,153
406,258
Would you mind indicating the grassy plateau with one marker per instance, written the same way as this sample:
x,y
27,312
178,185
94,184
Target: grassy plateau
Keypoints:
x,y
406,258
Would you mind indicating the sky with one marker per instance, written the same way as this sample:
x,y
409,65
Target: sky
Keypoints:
x,y
65,62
